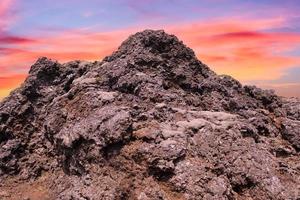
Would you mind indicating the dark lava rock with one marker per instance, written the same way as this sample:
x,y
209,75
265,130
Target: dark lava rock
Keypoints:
x,y
150,121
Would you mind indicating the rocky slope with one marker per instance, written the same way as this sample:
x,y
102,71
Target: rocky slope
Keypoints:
x,y
148,122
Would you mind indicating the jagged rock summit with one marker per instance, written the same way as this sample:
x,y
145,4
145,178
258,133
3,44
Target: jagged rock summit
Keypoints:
x,y
149,122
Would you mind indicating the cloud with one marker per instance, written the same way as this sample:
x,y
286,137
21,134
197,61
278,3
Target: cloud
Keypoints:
x,y
240,35
285,89
6,17
247,49
4,93
6,51
11,81
9,39
5,6
87,14
8,83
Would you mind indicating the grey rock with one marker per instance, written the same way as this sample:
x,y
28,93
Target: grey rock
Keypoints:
x,y
150,121
291,132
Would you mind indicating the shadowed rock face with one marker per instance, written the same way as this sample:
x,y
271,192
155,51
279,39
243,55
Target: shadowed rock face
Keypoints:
x,y
148,122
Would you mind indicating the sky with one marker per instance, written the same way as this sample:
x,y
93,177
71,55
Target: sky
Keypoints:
x,y
256,42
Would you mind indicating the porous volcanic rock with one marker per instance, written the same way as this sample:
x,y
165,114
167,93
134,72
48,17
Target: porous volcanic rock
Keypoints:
x,y
149,122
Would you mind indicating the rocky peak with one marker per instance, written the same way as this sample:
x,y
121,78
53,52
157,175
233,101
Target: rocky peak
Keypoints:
x,y
156,43
151,48
150,121
43,65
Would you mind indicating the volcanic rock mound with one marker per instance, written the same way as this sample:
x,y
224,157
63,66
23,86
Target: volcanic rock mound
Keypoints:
x,y
149,122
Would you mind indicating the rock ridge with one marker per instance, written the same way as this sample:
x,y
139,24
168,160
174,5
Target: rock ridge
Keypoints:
x,y
150,121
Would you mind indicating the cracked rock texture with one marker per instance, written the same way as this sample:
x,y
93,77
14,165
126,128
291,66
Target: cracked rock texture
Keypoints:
x,y
149,122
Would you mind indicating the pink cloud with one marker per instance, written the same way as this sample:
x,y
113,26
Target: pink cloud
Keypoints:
x,y
9,39
5,16
241,35
4,6
287,90
238,47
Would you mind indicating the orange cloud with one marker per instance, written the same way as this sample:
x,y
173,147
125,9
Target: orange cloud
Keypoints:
x,y
4,93
8,83
11,81
241,48
287,89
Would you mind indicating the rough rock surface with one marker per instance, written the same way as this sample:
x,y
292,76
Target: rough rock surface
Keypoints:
x,y
149,122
